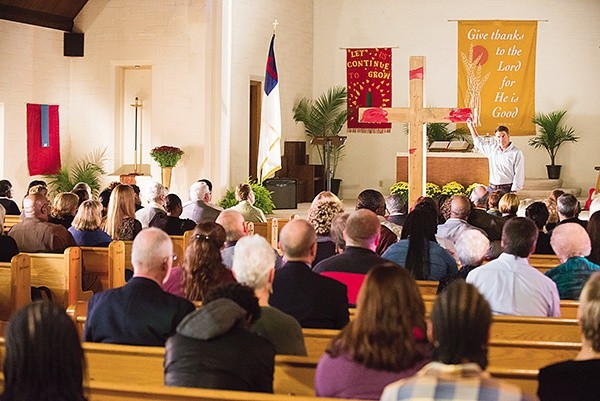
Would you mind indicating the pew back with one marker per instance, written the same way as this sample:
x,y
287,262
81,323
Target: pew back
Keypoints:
x,y
180,243
15,285
61,273
9,221
107,262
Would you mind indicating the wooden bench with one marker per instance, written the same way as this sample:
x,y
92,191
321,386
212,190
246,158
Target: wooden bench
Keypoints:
x,y
180,243
15,285
107,262
543,262
9,221
61,273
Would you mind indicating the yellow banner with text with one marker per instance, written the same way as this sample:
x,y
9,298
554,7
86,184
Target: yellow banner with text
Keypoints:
x,y
496,73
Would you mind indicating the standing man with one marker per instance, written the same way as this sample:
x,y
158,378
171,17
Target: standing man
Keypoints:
x,y
506,162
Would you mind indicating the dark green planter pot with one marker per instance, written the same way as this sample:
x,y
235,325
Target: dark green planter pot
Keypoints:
x,y
335,186
553,171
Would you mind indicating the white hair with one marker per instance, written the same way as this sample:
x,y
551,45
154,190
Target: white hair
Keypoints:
x,y
253,259
471,247
198,191
569,240
150,247
155,191
523,206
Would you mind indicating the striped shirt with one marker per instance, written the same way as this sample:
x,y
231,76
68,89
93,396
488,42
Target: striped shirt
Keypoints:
x,y
570,277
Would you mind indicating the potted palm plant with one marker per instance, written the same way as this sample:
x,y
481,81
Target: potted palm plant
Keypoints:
x,y
551,135
322,118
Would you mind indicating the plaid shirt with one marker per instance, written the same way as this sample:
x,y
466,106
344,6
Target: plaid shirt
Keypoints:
x,y
437,381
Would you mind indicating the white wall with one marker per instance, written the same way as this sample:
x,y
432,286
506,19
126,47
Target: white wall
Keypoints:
x,y
32,70
568,66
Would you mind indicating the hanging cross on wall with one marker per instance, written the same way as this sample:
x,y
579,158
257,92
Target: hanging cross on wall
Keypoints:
x,y
417,115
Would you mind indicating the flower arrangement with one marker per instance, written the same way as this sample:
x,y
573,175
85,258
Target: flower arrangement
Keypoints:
x,y
432,190
453,188
166,156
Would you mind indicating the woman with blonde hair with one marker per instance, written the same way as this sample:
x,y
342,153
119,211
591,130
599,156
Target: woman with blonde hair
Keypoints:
x,y
203,268
508,205
86,225
321,213
245,196
121,223
385,342
64,208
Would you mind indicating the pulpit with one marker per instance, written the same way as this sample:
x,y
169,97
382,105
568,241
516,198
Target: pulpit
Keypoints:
x,y
294,164
443,167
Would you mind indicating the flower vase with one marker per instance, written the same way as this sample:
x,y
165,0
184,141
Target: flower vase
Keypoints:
x,y
166,176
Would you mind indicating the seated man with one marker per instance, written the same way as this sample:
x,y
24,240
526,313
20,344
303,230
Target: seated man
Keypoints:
x,y
361,236
509,283
315,301
460,207
572,244
235,229
198,208
140,312
479,217
460,356
214,349
568,209
34,233
156,196
374,201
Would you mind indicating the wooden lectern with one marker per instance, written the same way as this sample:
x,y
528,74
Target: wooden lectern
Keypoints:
x,y
328,143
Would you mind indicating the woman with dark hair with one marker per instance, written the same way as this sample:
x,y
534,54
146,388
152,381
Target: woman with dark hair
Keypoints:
x,y
418,250
390,310
44,359
203,268
460,327
6,198
8,246
593,230
170,222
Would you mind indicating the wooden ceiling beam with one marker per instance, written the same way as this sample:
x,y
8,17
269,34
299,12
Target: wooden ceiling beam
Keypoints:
x,y
34,17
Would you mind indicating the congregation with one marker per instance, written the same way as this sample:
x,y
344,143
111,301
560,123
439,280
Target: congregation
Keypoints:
x,y
234,302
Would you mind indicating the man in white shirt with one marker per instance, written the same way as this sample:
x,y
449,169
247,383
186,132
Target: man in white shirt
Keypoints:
x,y
506,162
509,283
156,196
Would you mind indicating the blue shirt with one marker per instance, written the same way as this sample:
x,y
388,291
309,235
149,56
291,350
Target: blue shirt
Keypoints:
x,y
440,261
570,277
90,238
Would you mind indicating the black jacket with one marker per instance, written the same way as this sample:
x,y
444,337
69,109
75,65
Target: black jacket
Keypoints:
x,y
213,349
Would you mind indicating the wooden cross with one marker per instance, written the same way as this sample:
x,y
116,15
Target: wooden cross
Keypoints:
x,y
417,116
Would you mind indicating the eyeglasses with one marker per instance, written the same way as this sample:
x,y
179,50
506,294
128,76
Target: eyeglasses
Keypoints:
x,y
172,257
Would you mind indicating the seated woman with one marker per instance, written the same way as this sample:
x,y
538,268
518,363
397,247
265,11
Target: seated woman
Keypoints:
x,y
170,222
8,246
493,200
86,225
460,329
508,205
203,267
64,208
389,309
43,358
212,347
572,244
418,251
323,209
578,379
6,198
245,196
538,212
593,230
254,266
120,222
551,204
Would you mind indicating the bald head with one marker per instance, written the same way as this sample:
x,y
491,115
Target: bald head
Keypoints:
x,y
233,223
36,205
298,241
151,254
460,207
479,196
362,229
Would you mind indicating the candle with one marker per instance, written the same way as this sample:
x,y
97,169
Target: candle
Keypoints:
x,y
369,99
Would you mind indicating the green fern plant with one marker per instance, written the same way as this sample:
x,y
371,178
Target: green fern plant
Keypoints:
x,y
262,198
89,169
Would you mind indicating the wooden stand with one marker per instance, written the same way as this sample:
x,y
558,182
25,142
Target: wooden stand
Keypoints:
x,y
294,164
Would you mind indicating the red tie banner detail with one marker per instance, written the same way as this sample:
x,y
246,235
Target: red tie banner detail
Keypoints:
x,y
369,82
43,142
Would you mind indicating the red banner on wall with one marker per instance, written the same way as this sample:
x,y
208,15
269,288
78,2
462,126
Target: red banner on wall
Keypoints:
x,y
43,143
369,82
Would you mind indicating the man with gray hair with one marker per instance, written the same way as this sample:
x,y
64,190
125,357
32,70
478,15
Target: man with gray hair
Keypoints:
x,y
315,301
397,208
568,209
156,197
480,218
139,313
235,229
198,208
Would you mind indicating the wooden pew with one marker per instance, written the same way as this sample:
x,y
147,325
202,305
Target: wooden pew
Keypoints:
x,y
180,243
107,262
15,285
543,262
427,287
9,221
61,273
